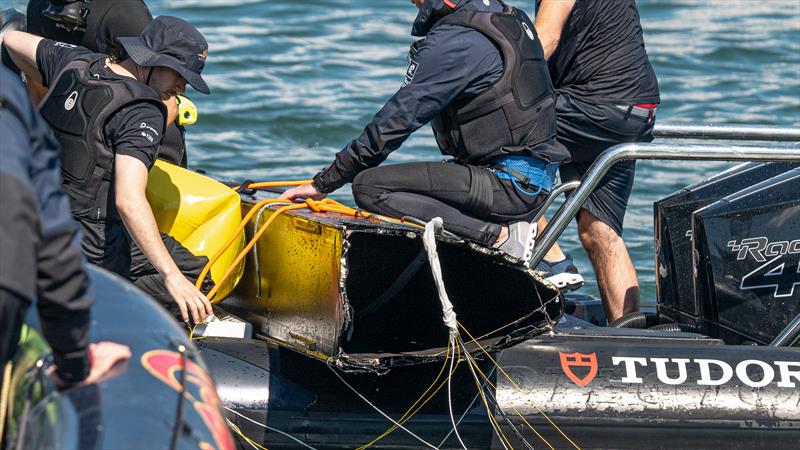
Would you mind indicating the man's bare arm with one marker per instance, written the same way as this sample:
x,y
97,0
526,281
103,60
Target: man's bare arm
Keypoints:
x,y
550,20
130,182
22,50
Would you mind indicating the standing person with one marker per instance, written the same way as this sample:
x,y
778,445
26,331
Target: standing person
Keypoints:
x,y
109,117
480,78
96,25
607,94
40,257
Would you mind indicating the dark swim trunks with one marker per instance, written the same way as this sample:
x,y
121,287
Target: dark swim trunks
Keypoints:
x,y
588,130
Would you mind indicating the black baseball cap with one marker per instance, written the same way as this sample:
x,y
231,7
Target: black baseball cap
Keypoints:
x,y
171,42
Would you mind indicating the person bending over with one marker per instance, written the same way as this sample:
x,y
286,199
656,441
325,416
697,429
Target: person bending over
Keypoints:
x,y
109,116
480,78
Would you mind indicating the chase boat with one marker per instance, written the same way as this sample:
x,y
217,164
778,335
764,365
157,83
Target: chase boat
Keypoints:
x,y
341,329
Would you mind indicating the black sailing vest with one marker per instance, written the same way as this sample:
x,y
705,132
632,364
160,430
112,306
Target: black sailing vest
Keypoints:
x,y
517,112
77,107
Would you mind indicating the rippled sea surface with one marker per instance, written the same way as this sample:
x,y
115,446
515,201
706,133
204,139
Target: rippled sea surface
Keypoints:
x,y
293,81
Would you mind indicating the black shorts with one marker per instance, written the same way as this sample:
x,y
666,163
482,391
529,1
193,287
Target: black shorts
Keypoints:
x,y
588,130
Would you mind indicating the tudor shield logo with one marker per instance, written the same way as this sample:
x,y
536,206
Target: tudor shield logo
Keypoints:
x,y
585,366
70,103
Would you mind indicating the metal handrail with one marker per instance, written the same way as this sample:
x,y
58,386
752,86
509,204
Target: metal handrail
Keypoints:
x,y
557,191
727,132
685,152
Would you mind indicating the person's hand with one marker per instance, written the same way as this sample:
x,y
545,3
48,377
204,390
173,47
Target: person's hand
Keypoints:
x,y
191,302
303,191
104,356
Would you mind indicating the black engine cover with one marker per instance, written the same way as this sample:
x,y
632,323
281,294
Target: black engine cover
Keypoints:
x,y
673,235
747,260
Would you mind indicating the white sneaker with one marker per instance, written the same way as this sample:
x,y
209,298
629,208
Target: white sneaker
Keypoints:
x,y
520,241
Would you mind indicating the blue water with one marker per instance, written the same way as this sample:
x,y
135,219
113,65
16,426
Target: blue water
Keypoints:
x,y
293,81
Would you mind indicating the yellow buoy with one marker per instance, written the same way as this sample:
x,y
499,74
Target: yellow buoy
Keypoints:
x,y
201,213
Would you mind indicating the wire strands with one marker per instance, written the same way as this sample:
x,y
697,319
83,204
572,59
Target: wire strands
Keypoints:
x,y
450,397
417,405
386,416
239,433
518,388
267,427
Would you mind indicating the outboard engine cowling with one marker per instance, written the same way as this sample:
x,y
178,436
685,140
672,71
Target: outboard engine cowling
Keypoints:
x,y
747,260
673,235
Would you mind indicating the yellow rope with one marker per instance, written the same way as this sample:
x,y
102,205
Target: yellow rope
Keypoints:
x,y
325,205
268,184
489,412
409,413
249,247
519,389
236,430
531,427
232,239
5,391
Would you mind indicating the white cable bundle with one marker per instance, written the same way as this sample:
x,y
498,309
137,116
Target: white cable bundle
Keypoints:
x,y
432,228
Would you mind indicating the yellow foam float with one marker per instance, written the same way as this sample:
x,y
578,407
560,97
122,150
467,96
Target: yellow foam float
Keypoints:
x,y
201,213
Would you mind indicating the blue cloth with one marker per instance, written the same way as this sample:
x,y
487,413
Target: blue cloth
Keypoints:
x,y
528,171
451,63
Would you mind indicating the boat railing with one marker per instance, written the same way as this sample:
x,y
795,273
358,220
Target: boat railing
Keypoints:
x,y
727,132
697,131
651,151
637,151
676,152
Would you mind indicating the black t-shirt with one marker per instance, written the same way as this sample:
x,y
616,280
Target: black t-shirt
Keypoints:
x,y
601,56
107,20
135,130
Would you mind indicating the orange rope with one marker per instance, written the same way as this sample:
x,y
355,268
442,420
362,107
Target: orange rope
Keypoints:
x,y
230,242
269,184
325,205
250,246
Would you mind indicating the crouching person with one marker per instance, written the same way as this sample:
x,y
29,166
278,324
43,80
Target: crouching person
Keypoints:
x,y
480,77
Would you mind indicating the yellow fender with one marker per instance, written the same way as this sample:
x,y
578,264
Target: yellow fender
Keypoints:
x,y
201,213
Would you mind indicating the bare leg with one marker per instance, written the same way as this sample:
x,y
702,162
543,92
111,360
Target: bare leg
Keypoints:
x,y
616,276
555,253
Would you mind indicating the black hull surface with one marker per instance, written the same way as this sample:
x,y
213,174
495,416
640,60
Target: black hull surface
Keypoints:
x,y
603,388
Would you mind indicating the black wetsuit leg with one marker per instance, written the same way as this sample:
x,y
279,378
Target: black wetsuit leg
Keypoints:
x,y
471,200
147,278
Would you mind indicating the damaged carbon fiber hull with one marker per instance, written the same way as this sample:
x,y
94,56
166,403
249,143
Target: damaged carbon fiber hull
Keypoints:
x,y
360,293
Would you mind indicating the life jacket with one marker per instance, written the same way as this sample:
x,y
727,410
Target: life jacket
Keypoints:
x,y
77,107
517,112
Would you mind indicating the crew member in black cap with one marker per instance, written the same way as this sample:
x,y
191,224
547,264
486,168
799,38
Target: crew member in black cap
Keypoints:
x,y
109,116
